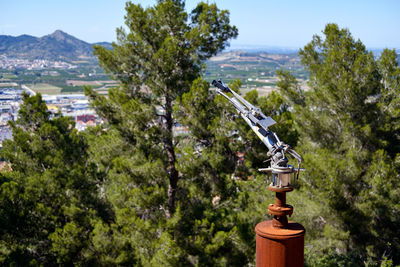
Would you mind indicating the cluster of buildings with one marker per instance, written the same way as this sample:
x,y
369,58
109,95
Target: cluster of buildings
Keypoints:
x,y
10,100
76,106
36,64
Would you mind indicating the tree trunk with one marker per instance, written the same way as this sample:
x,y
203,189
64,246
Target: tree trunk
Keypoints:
x,y
169,149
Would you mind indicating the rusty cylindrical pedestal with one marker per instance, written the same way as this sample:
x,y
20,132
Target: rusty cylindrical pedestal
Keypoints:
x,y
279,243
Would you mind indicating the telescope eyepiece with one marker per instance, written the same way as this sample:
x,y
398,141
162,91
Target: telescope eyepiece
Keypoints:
x,y
219,84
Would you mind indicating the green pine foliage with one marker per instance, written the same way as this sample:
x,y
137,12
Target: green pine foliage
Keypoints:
x,y
50,196
349,136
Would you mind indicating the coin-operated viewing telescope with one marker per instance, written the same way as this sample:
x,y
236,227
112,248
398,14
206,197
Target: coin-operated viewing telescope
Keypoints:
x,y
259,123
290,234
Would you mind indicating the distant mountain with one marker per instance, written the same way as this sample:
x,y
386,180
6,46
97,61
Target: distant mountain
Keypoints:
x,y
56,46
105,44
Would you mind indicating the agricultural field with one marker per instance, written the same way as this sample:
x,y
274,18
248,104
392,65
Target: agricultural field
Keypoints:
x,y
45,88
8,84
8,76
256,70
59,81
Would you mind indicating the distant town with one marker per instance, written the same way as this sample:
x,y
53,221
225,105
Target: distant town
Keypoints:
x,y
10,63
71,105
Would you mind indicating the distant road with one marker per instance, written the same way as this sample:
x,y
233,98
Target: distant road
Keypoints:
x,y
28,90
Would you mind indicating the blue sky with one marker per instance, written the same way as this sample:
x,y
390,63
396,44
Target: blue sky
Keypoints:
x,y
286,23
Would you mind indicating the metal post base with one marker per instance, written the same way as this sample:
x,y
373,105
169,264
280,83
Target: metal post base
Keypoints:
x,y
278,247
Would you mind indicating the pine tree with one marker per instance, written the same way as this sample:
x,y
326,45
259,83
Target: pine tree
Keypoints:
x,y
157,61
349,137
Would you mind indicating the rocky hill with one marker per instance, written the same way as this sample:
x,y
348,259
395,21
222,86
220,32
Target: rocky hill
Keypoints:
x,y
56,46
